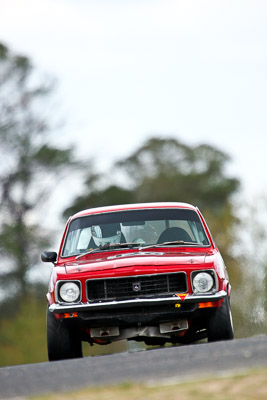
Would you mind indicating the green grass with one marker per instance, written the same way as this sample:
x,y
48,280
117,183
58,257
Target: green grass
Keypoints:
x,y
251,385
23,337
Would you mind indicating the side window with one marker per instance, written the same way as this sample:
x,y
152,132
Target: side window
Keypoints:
x,y
198,232
71,244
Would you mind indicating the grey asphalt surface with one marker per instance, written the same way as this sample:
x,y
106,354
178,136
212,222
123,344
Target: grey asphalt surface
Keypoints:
x,y
171,363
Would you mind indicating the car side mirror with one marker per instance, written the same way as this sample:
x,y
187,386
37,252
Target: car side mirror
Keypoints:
x,y
49,256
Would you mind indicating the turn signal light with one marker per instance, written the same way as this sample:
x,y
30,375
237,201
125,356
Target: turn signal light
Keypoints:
x,y
208,304
71,315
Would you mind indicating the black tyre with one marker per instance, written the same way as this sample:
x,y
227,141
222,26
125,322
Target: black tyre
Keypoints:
x,y
220,326
62,343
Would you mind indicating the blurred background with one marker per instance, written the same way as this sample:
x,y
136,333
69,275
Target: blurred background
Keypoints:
x,y
111,101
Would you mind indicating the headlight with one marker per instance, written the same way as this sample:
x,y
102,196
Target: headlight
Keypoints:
x,y
202,282
69,292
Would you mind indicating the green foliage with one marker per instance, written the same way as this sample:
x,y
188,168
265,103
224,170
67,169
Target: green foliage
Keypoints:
x,y
23,339
51,157
111,195
21,244
166,169
28,162
3,51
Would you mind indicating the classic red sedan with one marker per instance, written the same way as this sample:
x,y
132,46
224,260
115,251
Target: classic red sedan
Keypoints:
x,y
146,272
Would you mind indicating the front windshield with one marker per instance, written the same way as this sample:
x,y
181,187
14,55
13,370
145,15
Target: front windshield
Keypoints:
x,y
141,227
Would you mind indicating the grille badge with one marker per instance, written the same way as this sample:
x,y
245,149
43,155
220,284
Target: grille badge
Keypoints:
x,y
136,286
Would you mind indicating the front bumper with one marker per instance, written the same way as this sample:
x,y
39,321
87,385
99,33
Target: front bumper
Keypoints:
x,y
59,308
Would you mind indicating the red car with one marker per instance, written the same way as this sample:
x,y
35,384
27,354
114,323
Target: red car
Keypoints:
x,y
146,272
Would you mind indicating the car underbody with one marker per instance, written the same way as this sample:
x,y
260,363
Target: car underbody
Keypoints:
x,y
153,320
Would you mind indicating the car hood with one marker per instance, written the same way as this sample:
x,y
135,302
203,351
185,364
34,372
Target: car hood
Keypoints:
x,y
136,260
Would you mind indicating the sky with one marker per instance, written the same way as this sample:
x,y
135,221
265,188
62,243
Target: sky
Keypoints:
x,y
127,70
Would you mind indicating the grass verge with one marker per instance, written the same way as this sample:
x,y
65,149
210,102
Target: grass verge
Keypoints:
x,y
250,385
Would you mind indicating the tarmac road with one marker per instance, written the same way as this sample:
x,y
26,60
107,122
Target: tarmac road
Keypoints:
x,y
171,363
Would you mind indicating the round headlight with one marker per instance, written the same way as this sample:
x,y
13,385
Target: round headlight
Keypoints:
x,y
69,292
203,282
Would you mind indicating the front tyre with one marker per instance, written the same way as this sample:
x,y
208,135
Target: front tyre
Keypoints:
x,y
220,326
62,343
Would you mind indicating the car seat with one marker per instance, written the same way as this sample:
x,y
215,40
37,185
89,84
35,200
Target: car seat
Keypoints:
x,y
174,233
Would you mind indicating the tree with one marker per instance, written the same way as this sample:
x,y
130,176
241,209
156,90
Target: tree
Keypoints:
x,y
96,195
29,167
252,238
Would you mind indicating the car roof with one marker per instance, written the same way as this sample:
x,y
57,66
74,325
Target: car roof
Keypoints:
x,y
137,206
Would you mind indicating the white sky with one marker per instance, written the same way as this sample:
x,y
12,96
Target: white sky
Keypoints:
x,y
130,69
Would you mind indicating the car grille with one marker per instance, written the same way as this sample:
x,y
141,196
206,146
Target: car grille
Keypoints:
x,y
143,286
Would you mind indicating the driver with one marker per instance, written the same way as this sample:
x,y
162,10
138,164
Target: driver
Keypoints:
x,y
106,234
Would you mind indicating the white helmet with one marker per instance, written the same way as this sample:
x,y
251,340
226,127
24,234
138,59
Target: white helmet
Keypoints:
x,y
106,234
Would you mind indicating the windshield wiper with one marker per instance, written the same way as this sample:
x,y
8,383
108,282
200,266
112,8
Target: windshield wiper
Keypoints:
x,y
134,244
107,247
170,244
